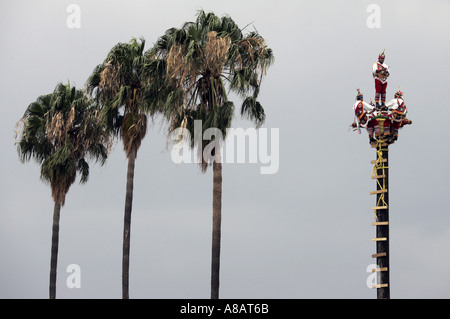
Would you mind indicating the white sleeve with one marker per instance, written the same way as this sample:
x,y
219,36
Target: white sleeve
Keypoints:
x,y
374,68
367,107
391,104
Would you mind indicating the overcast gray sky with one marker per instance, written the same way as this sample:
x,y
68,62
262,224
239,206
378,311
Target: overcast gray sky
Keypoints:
x,y
304,232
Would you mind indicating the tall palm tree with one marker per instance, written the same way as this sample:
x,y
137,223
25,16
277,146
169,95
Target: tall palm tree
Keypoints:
x,y
61,130
123,87
203,59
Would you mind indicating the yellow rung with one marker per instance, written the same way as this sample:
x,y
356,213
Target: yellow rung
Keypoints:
x,y
380,223
379,191
380,269
380,239
375,161
379,207
378,176
383,144
380,286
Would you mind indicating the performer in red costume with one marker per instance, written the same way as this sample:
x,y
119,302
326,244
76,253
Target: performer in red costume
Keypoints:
x,y
380,72
398,111
363,113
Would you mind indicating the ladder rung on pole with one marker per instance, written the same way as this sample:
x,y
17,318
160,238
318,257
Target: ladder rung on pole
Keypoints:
x,y
379,207
380,269
375,161
380,239
378,255
380,223
379,191
380,286
383,144
378,176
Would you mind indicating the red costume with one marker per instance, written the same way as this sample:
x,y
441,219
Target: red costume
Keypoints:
x,y
398,111
380,72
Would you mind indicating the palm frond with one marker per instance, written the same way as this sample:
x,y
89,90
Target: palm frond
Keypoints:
x,y
204,58
253,110
129,83
60,130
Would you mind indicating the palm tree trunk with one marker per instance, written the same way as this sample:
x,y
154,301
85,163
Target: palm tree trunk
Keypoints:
x,y
216,231
127,225
54,251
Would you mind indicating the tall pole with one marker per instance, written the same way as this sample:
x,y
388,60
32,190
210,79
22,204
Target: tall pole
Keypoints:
x,y
382,221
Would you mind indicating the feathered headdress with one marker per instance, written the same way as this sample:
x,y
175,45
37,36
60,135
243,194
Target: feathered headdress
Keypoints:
x,y
398,93
359,95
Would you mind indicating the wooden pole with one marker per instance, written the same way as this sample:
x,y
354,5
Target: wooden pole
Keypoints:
x,y
382,224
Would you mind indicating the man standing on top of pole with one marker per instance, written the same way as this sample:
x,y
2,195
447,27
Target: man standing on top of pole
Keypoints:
x,y
380,72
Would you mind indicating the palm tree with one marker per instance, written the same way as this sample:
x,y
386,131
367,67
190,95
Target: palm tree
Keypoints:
x,y
61,130
123,87
203,58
